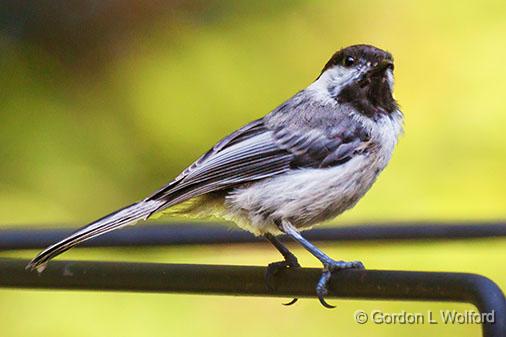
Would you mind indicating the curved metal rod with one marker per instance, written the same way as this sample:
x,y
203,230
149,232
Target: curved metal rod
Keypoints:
x,y
249,281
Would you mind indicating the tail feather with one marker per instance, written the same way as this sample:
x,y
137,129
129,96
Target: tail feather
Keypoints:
x,y
123,217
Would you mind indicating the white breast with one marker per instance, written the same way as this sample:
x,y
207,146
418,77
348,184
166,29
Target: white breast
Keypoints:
x,y
308,196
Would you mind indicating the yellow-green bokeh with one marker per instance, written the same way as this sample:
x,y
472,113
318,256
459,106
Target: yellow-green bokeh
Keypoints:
x,y
76,146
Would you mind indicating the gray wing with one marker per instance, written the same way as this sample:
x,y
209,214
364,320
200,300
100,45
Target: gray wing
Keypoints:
x,y
252,153
255,152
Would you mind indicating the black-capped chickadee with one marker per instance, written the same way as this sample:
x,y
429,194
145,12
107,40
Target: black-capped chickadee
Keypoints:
x,y
308,160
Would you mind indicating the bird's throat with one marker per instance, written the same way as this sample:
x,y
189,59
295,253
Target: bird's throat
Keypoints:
x,y
370,95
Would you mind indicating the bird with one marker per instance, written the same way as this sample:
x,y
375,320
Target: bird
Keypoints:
x,y
307,161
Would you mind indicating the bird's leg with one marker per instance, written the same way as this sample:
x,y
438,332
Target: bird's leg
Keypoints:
x,y
290,261
329,264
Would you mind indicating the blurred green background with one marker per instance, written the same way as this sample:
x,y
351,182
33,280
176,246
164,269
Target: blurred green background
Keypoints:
x,y
102,102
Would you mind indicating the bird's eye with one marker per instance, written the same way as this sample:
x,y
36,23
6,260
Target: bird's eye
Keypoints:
x,y
348,61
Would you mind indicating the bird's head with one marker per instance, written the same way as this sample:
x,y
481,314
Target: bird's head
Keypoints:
x,y
362,76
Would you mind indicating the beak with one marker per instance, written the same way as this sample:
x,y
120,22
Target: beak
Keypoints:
x,y
384,65
378,69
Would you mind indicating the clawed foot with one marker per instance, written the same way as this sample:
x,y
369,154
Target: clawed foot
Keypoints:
x,y
328,268
276,267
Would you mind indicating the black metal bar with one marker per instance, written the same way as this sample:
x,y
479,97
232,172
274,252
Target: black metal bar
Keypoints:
x,y
189,234
249,281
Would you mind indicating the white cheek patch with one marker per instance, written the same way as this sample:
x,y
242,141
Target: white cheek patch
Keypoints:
x,y
339,74
333,80
390,79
